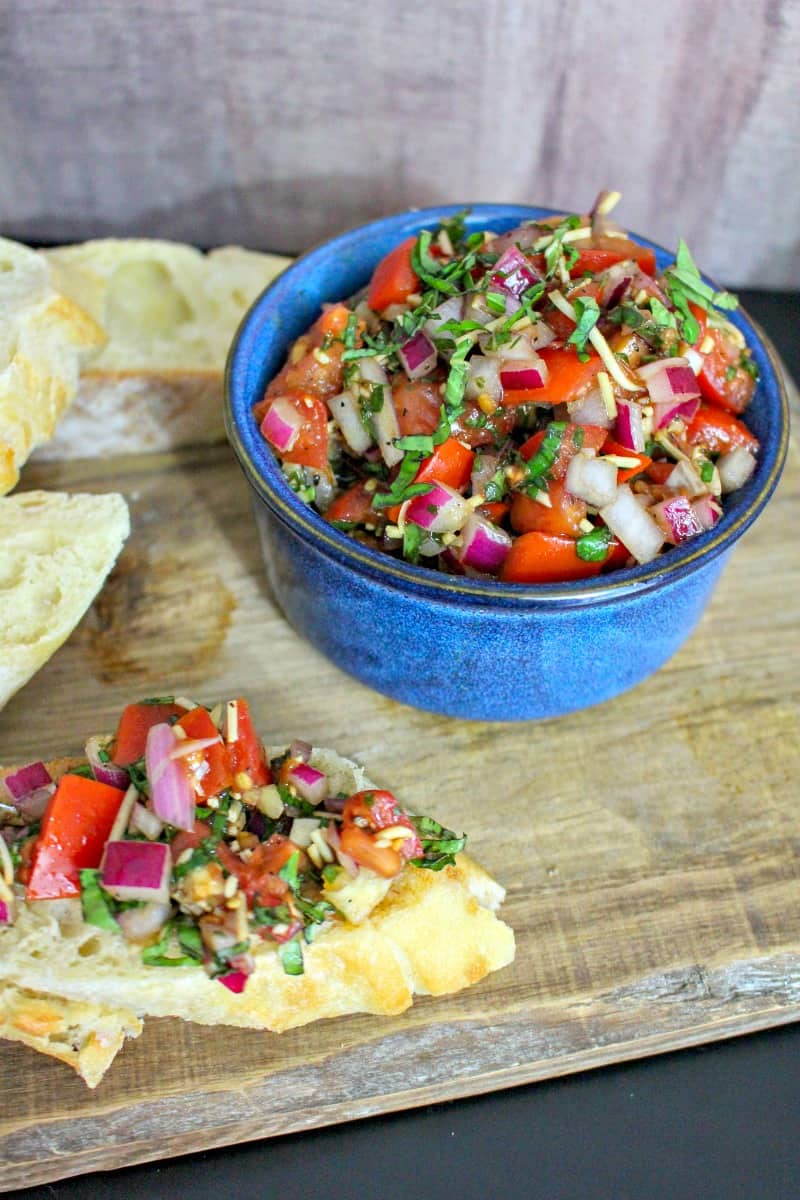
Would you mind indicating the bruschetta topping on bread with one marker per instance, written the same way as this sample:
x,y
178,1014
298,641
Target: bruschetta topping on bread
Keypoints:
x,y
185,837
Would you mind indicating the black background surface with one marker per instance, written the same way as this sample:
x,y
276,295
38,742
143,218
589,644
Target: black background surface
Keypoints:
x,y
717,1123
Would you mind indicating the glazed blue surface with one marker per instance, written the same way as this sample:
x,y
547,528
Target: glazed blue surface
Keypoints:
x,y
462,647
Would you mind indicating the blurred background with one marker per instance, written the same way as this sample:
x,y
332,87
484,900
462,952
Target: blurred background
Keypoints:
x,y
275,125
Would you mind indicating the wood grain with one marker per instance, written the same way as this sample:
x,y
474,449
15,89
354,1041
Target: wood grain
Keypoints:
x,y
276,125
651,847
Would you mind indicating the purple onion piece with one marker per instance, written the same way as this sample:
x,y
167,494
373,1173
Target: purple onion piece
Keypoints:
x,y
301,750
32,807
27,779
255,823
335,804
418,355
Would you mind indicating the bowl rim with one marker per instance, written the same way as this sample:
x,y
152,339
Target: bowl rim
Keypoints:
x,y
311,525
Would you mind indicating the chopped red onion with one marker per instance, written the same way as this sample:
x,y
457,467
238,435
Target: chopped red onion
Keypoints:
x,y
590,409
630,430
523,373
440,510
523,236
384,422
677,519
483,378
615,282
5,915
142,820
32,807
334,804
449,310
287,933
346,413
418,355
137,871
138,924
633,525
735,468
105,772
310,784
300,749
27,779
281,425
301,830
513,273
684,478
234,981
673,388
707,511
484,545
171,794
591,479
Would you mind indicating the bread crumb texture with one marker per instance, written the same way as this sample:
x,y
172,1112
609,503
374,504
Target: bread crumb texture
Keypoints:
x,y
55,552
44,336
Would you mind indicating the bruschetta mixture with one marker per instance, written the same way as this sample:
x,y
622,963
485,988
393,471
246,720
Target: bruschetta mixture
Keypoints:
x,y
535,406
180,833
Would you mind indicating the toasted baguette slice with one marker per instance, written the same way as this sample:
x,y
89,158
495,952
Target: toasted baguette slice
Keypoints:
x,y
55,552
170,314
43,337
85,1036
433,933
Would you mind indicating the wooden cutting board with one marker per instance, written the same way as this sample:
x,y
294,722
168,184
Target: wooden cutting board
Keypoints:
x,y
649,846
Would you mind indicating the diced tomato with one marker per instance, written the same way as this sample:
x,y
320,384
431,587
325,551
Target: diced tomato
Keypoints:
x,y
722,380
571,442
545,558
394,279
660,472
315,373
494,510
605,251
332,323
450,463
417,404
367,812
75,829
311,446
564,517
476,428
189,839
131,736
626,473
246,753
568,378
209,770
354,505
719,431
258,877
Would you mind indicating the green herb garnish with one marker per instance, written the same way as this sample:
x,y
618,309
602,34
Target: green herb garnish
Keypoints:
x,y
593,547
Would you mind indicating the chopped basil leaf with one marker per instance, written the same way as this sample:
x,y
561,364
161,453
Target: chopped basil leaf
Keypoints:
x,y
158,954
707,471
84,770
439,845
291,957
593,547
661,314
418,441
587,310
96,903
543,461
289,871
413,537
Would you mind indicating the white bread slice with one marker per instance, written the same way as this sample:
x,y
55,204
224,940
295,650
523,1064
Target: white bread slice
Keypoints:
x,y
170,313
55,552
435,932
85,1036
43,337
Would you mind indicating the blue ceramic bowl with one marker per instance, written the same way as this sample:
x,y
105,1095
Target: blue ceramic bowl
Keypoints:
x,y
457,646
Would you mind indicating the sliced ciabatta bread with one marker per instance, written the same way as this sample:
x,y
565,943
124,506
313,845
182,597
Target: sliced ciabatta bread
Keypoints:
x,y
43,338
170,313
55,552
